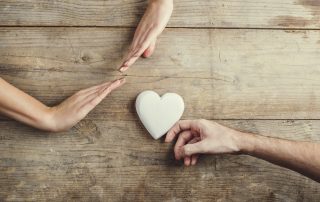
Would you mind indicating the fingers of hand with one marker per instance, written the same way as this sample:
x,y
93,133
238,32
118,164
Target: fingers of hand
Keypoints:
x,y
191,159
183,139
142,41
105,91
196,148
149,51
116,84
187,161
177,128
90,90
96,97
194,157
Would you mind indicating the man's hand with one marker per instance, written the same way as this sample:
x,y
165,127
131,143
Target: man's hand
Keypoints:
x,y
202,136
150,27
67,114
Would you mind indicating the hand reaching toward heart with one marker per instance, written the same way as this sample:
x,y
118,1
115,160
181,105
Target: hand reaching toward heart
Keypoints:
x,y
202,136
150,27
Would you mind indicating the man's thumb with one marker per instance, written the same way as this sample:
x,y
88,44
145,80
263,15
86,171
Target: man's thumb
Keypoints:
x,y
190,149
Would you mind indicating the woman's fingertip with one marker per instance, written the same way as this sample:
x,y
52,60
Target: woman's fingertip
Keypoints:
x,y
122,69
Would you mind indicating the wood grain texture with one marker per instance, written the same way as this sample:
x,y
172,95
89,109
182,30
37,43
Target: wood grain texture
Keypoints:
x,y
246,76
187,13
222,74
118,161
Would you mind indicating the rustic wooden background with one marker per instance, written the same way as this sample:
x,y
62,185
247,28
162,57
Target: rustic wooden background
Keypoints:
x,y
252,65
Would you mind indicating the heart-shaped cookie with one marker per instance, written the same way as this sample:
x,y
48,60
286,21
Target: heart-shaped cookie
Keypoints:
x,y
159,114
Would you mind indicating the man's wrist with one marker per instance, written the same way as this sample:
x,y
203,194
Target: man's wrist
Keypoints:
x,y
245,142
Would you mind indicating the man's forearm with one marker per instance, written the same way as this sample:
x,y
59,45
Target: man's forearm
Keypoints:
x,y
22,107
302,157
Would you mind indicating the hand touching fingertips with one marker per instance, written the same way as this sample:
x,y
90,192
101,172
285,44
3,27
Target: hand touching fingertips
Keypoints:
x,y
150,27
76,107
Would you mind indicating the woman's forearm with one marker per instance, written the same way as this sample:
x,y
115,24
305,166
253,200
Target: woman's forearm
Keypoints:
x,y
299,156
22,107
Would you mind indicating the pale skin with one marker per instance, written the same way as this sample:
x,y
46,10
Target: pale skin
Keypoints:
x,y
22,107
196,137
150,27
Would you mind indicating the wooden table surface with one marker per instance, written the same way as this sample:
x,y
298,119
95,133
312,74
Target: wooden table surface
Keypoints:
x,y
252,65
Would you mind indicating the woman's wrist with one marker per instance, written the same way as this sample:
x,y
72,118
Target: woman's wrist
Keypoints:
x,y
46,120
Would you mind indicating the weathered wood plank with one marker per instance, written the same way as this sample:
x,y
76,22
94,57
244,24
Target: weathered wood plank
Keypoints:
x,y
118,161
238,74
187,13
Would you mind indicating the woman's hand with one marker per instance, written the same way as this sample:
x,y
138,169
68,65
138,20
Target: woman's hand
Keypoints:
x,y
201,136
150,27
67,114
24,108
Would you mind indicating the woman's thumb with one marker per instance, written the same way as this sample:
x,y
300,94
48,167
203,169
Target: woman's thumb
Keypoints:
x,y
149,51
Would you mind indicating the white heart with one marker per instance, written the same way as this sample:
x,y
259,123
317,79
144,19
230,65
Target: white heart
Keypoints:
x,y
159,114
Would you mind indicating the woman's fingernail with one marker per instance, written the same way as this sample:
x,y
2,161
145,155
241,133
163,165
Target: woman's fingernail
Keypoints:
x,y
124,69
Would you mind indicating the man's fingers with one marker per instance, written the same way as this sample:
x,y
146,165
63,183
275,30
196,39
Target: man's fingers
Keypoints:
x,y
187,161
183,139
194,157
191,149
149,51
178,127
